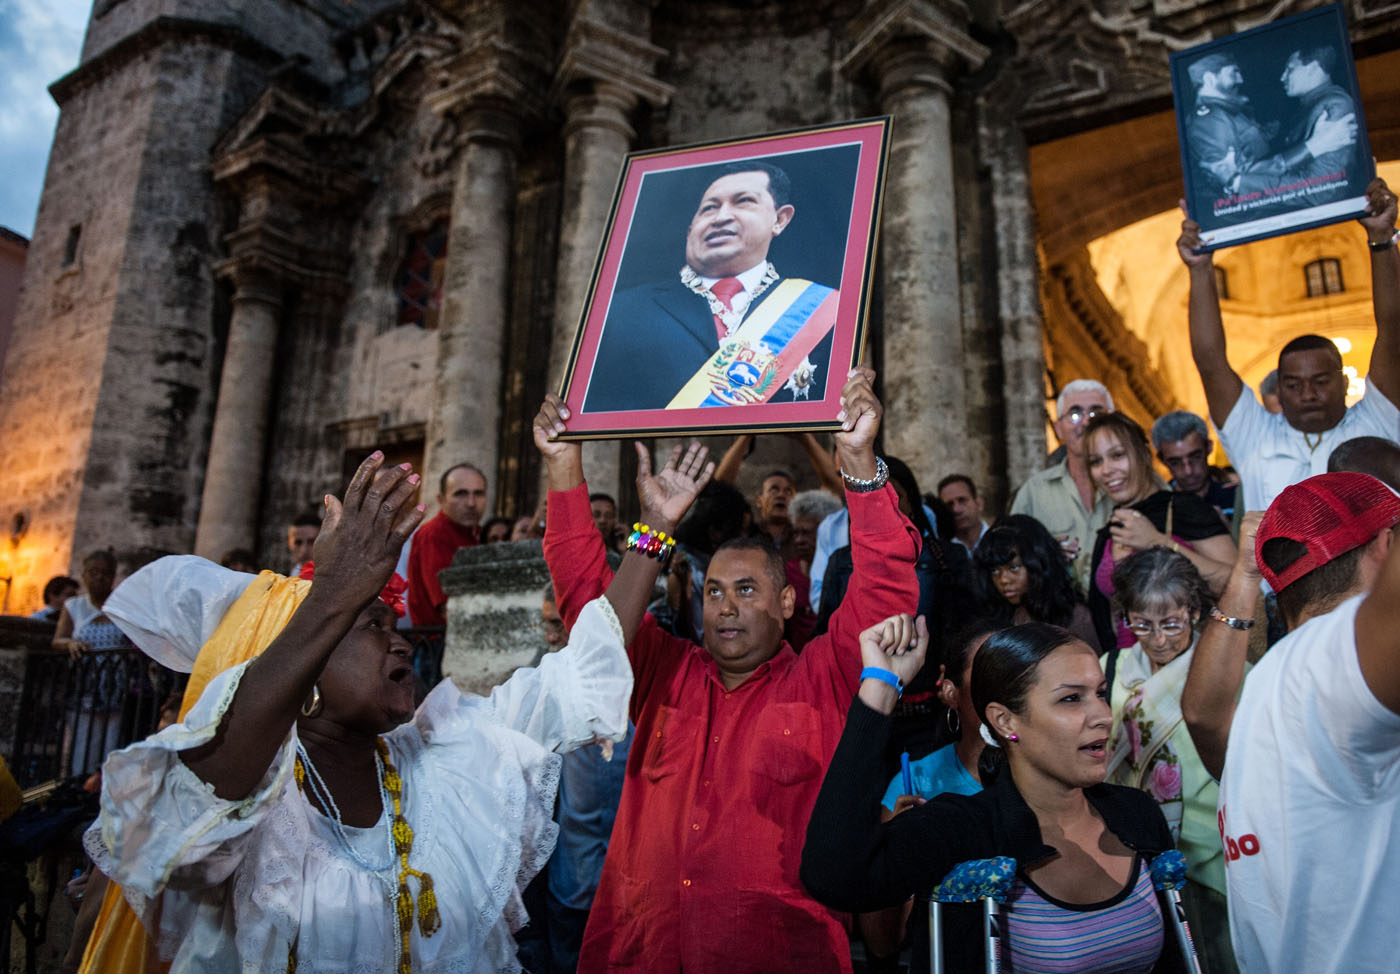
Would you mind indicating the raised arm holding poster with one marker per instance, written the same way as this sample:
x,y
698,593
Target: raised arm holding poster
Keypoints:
x,y
1272,135
730,290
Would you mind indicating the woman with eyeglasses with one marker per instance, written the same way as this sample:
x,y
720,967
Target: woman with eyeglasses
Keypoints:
x,y
1020,576
1162,600
1145,515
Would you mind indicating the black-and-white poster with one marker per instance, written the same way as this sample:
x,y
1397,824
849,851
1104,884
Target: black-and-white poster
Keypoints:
x,y
1272,135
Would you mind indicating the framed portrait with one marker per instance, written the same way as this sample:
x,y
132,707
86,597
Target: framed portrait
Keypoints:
x,y
1272,135
731,287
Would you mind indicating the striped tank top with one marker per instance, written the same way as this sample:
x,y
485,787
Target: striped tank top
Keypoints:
x,y
1122,935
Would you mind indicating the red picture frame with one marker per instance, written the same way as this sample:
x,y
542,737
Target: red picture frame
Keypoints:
x,y
645,324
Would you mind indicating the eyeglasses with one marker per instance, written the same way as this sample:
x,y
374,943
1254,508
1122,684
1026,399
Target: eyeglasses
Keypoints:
x,y
1168,628
1078,414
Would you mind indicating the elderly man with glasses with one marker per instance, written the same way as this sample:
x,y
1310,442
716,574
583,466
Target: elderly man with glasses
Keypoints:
x,y
1061,497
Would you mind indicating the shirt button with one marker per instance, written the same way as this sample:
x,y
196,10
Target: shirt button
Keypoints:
x,y
707,784
714,740
685,882
787,732
658,733
696,826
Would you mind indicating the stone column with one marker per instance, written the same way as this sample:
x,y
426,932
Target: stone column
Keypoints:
x,y
597,137
604,74
465,422
228,510
925,393
494,593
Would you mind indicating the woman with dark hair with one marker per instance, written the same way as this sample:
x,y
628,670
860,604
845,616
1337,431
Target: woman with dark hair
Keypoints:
x,y
1145,515
1083,897
1020,576
1163,600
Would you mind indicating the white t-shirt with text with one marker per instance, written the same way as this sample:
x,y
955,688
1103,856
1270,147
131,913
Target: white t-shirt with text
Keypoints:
x,y
1310,810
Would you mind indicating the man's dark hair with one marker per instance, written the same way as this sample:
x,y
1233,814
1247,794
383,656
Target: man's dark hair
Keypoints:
x,y
56,584
592,498
307,519
716,516
779,186
238,556
105,555
958,478
779,473
1324,55
772,557
1210,64
1309,343
1321,589
442,481
1374,455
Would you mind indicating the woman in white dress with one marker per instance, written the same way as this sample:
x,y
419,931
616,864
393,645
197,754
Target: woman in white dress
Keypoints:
x,y
303,816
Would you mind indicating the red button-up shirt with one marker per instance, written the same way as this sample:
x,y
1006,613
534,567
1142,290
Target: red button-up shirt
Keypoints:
x,y
701,875
431,551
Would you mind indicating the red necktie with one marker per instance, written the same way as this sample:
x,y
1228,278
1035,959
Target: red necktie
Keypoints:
x,y
725,289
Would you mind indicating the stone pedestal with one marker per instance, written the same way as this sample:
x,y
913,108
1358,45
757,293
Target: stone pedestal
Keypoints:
x,y
466,414
228,511
494,593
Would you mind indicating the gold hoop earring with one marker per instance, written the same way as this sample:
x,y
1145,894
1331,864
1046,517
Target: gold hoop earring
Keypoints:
x,y
314,709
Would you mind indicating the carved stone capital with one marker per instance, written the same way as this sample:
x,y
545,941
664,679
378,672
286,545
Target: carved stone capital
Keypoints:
x,y
938,26
600,105
600,56
490,73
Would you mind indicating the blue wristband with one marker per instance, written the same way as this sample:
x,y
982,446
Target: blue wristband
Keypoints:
x,y
884,676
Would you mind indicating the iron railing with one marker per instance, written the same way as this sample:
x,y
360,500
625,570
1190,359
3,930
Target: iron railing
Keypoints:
x,y
73,712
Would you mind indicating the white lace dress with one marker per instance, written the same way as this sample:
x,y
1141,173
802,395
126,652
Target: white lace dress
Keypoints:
x,y
231,886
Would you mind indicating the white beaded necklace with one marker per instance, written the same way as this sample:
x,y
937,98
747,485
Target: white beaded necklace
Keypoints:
x,y
322,793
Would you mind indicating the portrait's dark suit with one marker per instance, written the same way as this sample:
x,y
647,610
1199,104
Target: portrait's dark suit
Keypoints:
x,y
659,335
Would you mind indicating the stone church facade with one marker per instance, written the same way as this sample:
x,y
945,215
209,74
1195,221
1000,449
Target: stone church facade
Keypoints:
x,y
276,234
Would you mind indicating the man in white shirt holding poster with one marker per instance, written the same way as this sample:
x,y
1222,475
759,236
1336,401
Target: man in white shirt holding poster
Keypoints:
x,y
1273,450
1310,795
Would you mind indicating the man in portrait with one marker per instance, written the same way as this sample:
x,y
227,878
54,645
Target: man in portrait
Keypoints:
x,y
1221,132
728,328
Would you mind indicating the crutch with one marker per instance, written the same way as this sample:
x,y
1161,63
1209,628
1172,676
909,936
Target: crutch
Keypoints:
x,y
988,880
1168,877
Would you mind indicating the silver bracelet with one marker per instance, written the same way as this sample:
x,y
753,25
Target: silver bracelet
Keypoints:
x,y
857,486
1240,624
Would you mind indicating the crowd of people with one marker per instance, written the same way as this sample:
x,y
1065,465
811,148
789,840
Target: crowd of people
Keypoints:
x,y
764,730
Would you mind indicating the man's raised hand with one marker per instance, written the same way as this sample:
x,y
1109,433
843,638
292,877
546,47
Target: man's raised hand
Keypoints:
x,y
362,535
1190,240
1381,212
563,460
666,495
860,423
898,644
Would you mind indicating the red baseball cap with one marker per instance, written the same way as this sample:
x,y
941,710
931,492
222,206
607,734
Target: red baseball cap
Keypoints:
x,y
1329,514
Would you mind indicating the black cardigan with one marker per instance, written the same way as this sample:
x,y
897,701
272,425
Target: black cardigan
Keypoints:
x,y
852,863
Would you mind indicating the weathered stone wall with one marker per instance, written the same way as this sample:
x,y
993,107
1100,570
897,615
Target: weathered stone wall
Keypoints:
x,y
493,613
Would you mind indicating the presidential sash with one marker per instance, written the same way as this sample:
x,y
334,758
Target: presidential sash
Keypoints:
x,y
754,362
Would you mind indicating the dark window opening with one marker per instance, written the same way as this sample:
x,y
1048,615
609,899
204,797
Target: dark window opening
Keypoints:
x,y
1324,276
418,282
70,247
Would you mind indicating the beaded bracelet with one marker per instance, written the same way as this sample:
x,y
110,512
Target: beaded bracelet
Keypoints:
x,y
652,542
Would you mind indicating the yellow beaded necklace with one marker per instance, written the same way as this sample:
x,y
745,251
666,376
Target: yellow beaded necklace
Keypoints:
x,y
429,921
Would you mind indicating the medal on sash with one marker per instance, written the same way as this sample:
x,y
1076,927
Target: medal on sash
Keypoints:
x,y
768,351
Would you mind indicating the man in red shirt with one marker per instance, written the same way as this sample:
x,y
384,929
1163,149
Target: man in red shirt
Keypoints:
x,y
731,739
461,502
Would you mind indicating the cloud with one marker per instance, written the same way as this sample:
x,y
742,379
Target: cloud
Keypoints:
x,y
40,41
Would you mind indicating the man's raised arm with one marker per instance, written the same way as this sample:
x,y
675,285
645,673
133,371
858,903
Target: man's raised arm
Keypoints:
x,y
1222,383
574,549
1217,668
1384,373
884,545
1377,636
